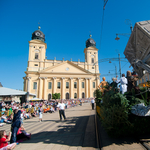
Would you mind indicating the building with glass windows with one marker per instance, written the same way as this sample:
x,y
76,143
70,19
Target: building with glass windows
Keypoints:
x,y
69,78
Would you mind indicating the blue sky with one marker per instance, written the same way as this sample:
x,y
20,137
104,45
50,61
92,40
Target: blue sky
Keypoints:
x,y
66,25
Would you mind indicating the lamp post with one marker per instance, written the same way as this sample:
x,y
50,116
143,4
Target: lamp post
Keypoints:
x,y
119,64
114,70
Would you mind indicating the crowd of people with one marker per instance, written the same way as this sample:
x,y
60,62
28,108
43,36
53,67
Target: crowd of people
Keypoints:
x,y
15,113
126,83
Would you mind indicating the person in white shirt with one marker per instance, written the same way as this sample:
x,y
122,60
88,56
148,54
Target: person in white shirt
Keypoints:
x,y
123,81
61,107
92,102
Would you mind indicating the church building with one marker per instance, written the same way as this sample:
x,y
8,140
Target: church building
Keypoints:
x,y
73,80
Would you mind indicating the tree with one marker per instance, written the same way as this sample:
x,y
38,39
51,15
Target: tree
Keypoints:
x,y
56,96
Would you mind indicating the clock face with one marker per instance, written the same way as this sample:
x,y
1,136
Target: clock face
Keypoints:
x,y
37,33
92,41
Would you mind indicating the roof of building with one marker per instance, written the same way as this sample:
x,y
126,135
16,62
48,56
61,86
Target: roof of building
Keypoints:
x,y
11,92
90,42
38,35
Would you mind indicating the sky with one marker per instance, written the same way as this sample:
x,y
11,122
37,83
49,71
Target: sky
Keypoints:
x,y
67,25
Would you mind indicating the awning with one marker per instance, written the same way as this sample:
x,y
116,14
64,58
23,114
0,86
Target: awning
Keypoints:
x,y
11,92
35,99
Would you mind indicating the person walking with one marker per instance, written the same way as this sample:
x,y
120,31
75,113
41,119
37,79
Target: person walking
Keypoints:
x,y
92,102
61,107
40,113
123,81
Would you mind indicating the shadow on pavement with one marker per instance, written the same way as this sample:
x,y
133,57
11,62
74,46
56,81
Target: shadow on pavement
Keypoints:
x,y
67,133
106,141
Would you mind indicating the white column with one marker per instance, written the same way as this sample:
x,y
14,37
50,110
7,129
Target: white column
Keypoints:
x,y
54,85
71,88
86,87
79,88
97,82
40,87
90,88
62,88
28,87
45,89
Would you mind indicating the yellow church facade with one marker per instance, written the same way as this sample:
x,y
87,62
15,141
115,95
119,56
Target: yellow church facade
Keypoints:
x,y
73,80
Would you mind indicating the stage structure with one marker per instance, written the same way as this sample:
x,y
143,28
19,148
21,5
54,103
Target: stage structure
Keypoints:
x,y
137,50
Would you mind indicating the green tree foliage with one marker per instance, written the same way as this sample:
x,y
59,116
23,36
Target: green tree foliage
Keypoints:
x,y
98,95
56,96
114,113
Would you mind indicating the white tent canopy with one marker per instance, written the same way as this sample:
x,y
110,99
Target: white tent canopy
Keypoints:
x,y
11,92
35,99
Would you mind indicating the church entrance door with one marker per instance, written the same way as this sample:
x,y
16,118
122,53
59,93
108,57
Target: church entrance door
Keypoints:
x,y
67,95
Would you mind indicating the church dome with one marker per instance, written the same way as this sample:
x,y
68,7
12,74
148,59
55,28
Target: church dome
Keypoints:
x,y
90,42
38,35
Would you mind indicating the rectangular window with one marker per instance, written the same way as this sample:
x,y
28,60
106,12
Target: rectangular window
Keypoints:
x,y
34,85
58,85
49,85
139,81
93,84
142,80
67,85
82,84
35,64
36,56
75,84
92,60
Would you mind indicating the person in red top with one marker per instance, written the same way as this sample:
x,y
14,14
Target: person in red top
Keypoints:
x,y
4,141
22,134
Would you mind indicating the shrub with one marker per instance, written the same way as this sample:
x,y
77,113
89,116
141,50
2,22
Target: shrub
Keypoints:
x,y
114,114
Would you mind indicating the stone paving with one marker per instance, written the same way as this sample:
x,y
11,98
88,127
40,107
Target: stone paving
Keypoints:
x,y
76,133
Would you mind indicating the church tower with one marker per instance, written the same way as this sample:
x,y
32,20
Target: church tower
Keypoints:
x,y
91,56
37,51
73,80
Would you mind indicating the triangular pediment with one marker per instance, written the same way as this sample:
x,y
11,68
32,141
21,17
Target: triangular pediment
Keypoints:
x,y
66,67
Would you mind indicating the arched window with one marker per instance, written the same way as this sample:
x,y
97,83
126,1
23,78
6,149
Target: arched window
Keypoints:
x,y
36,56
58,85
67,95
83,95
92,59
75,84
49,96
75,95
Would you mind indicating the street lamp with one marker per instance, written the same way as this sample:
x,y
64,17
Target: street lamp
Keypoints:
x,y
123,34
128,22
